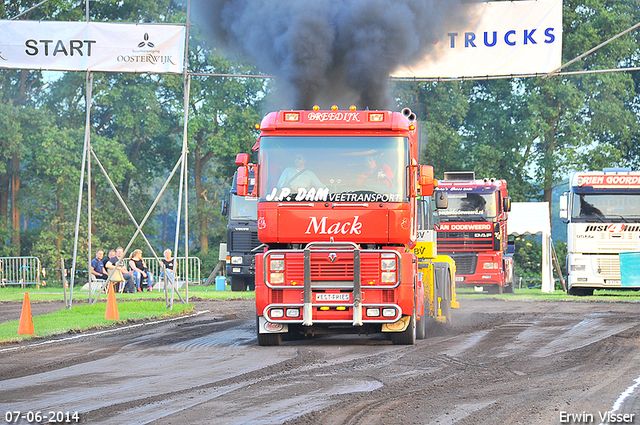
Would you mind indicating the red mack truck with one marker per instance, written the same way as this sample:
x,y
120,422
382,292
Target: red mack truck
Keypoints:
x,y
473,231
341,197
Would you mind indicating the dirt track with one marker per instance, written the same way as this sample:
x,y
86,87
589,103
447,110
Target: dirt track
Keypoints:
x,y
502,362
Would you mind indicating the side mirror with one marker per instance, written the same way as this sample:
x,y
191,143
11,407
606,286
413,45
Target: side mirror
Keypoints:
x,y
426,180
225,208
564,206
511,247
242,180
242,159
506,204
442,200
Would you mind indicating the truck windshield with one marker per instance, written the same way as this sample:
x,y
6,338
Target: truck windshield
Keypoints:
x,y
333,169
606,207
470,207
243,208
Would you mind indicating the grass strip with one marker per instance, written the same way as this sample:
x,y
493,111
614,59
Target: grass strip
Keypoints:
x,y
84,317
52,293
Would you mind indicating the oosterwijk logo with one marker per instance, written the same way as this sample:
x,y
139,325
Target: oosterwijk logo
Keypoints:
x,y
146,42
146,52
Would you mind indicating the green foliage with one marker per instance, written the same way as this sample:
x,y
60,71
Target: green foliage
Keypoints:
x,y
528,257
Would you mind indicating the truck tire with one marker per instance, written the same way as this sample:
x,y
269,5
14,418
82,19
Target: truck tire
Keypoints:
x,y
408,336
251,284
494,289
509,289
421,327
238,283
445,304
267,340
580,292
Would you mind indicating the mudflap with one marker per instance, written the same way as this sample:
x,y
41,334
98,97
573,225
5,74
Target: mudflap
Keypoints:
x,y
443,291
266,327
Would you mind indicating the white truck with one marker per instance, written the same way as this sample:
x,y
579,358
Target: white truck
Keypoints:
x,y
602,210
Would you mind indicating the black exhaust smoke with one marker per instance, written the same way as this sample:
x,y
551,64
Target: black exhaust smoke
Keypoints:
x,y
325,52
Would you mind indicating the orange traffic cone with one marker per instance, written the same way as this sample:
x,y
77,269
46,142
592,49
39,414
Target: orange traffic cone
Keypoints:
x,y
26,320
112,306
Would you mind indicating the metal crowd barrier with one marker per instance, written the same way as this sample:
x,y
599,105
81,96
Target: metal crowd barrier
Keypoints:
x,y
187,271
20,271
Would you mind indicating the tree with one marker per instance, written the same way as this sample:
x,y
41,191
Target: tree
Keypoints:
x,y
222,113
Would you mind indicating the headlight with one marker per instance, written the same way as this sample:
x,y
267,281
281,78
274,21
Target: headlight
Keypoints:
x,y
490,266
373,312
276,312
388,264
389,312
277,265
236,260
388,277
293,312
276,278
578,267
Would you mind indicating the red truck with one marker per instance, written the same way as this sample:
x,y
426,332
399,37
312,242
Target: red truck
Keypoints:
x,y
338,200
473,231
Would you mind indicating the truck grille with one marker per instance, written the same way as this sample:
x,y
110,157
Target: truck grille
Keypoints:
x,y
465,264
463,241
243,241
340,270
608,266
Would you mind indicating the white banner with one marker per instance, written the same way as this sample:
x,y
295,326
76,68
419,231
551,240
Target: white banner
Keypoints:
x,y
93,46
500,38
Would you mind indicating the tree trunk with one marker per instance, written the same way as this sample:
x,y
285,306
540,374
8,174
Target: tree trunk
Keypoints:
x,y
15,211
200,204
4,199
550,139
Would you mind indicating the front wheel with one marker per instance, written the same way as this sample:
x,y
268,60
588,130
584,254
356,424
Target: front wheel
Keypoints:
x,y
238,284
421,328
580,292
408,336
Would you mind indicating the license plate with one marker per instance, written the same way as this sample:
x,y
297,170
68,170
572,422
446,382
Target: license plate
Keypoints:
x,y
332,297
613,282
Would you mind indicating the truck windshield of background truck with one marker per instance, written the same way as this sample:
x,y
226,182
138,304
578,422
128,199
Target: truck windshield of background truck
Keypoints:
x,y
470,206
605,207
243,208
333,169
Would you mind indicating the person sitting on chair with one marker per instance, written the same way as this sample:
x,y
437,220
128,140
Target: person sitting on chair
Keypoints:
x,y
140,270
128,277
97,267
168,263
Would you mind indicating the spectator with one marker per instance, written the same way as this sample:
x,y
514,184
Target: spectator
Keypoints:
x,y
140,270
97,266
169,265
115,262
106,259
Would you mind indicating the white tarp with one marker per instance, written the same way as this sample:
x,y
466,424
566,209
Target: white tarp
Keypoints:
x,y
93,46
500,38
532,218
529,218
